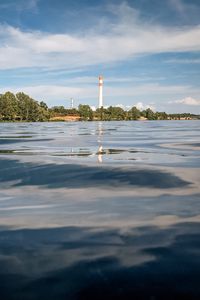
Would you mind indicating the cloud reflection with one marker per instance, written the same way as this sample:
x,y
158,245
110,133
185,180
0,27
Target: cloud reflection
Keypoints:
x,y
77,176
87,263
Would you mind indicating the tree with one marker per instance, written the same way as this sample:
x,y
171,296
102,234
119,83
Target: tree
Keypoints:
x,y
85,112
58,110
8,106
114,113
161,116
134,113
72,112
23,106
43,105
150,115
30,110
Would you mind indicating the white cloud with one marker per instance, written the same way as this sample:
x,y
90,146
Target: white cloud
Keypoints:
x,y
88,93
142,106
51,91
126,38
138,105
93,107
124,107
120,105
187,101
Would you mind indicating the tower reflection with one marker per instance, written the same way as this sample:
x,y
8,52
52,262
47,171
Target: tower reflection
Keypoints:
x,y
100,141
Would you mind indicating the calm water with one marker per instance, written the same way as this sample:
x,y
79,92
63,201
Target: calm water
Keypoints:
x,y
105,210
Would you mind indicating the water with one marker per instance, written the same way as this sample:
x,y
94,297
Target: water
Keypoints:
x,y
93,210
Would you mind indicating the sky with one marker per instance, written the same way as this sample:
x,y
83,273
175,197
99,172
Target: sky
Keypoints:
x,y
148,52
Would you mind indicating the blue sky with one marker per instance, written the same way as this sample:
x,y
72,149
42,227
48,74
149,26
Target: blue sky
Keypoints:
x,y
147,50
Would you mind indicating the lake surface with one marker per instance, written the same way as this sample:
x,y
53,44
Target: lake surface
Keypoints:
x,y
93,210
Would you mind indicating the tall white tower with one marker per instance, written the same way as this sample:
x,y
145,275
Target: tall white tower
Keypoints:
x,y
100,91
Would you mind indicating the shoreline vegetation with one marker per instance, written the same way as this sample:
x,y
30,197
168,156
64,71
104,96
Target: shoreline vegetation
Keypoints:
x,y
22,108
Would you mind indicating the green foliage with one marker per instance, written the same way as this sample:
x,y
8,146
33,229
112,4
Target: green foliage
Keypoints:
x,y
150,115
72,112
99,113
58,110
22,108
43,105
183,116
134,113
8,107
116,113
85,112
161,116
110,113
61,111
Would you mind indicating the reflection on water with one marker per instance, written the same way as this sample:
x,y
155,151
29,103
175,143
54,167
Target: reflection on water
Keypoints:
x,y
85,263
100,141
100,210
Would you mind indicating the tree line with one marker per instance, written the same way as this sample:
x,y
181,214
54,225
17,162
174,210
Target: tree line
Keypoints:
x,y
21,107
113,113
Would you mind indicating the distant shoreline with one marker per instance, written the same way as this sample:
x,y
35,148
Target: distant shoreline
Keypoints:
x,y
22,108
68,119
77,121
